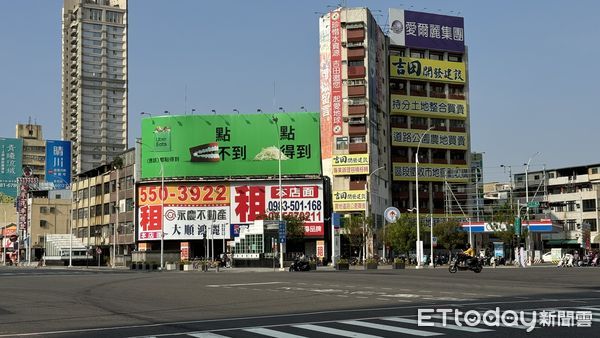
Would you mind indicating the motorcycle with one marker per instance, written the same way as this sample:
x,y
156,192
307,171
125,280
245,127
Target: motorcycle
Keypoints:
x,y
461,264
299,265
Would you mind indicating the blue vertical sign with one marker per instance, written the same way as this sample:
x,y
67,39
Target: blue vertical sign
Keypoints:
x,y
282,231
58,163
11,167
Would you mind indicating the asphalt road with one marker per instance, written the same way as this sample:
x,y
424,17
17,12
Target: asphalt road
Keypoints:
x,y
247,303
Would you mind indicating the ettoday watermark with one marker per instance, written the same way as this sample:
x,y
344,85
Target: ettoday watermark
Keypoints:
x,y
528,320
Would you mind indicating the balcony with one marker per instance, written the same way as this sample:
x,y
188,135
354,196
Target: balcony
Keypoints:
x,y
398,124
418,126
437,94
357,148
439,161
400,159
355,35
356,53
356,71
122,239
457,96
357,185
415,92
458,162
357,110
357,90
400,195
357,130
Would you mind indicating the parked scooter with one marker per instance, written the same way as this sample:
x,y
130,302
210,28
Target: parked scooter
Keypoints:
x,y
460,263
299,265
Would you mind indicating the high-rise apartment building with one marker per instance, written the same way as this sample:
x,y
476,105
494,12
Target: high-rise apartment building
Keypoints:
x,y
354,113
429,113
94,80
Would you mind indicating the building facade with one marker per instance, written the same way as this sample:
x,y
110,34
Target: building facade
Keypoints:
x,y
94,80
34,149
102,207
568,196
49,214
354,114
429,112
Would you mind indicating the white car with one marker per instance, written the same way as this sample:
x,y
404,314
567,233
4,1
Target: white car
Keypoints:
x,y
547,257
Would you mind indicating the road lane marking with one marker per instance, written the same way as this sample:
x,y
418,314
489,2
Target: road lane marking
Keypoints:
x,y
272,333
206,335
390,328
451,318
447,326
336,332
244,284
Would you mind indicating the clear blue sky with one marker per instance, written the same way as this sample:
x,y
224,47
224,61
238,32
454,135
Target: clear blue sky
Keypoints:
x,y
533,67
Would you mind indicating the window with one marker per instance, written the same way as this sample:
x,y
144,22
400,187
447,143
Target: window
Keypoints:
x,y
454,57
99,210
589,205
417,88
457,124
357,139
593,224
106,187
93,14
436,56
43,210
594,171
356,63
440,123
415,53
92,211
570,225
398,119
341,143
114,17
399,51
437,90
129,204
456,92
398,86
43,223
420,121
106,208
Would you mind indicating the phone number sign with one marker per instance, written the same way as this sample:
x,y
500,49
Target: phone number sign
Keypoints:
x,y
186,194
298,198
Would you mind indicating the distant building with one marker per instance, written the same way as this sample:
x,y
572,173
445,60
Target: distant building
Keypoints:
x,y
102,199
94,80
49,214
34,148
569,196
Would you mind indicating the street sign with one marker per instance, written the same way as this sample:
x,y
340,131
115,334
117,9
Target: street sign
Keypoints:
x,y
282,232
533,204
391,214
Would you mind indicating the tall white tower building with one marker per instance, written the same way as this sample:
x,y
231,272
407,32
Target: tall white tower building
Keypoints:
x,y
94,80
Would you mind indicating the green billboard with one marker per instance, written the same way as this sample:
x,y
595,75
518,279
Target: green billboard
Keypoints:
x,y
231,145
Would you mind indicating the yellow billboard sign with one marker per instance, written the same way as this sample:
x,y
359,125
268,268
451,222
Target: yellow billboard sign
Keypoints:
x,y
432,139
350,200
429,106
431,172
356,164
427,70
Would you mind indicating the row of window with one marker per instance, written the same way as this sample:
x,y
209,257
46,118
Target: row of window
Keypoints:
x,y
402,120
96,15
422,54
105,188
431,89
102,210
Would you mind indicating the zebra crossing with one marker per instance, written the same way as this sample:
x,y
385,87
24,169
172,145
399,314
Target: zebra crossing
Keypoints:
x,y
387,326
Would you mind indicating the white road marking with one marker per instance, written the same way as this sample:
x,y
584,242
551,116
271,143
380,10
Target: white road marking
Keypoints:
x,y
396,329
205,335
447,326
451,319
272,333
245,284
337,332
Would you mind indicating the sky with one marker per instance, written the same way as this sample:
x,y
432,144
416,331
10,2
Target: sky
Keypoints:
x,y
532,68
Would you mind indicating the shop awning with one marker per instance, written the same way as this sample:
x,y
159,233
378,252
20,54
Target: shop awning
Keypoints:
x,y
562,242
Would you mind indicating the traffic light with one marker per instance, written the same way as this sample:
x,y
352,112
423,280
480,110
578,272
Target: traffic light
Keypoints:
x,y
518,226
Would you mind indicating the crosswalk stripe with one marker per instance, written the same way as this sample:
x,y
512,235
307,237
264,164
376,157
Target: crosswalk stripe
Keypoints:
x,y
369,325
447,326
333,331
272,333
450,318
205,335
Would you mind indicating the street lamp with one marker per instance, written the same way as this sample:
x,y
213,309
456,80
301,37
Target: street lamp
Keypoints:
x,y
527,193
236,111
419,249
144,113
162,210
275,120
368,191
511,184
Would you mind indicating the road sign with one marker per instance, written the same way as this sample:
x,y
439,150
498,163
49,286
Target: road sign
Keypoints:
x,y
282,232
391,214
434,241
533,204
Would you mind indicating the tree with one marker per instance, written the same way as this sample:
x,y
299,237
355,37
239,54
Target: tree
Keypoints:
x,y
294,224
450,235
401,235
354,230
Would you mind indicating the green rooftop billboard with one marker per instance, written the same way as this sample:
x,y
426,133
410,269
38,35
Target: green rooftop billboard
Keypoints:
x,y
231,145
